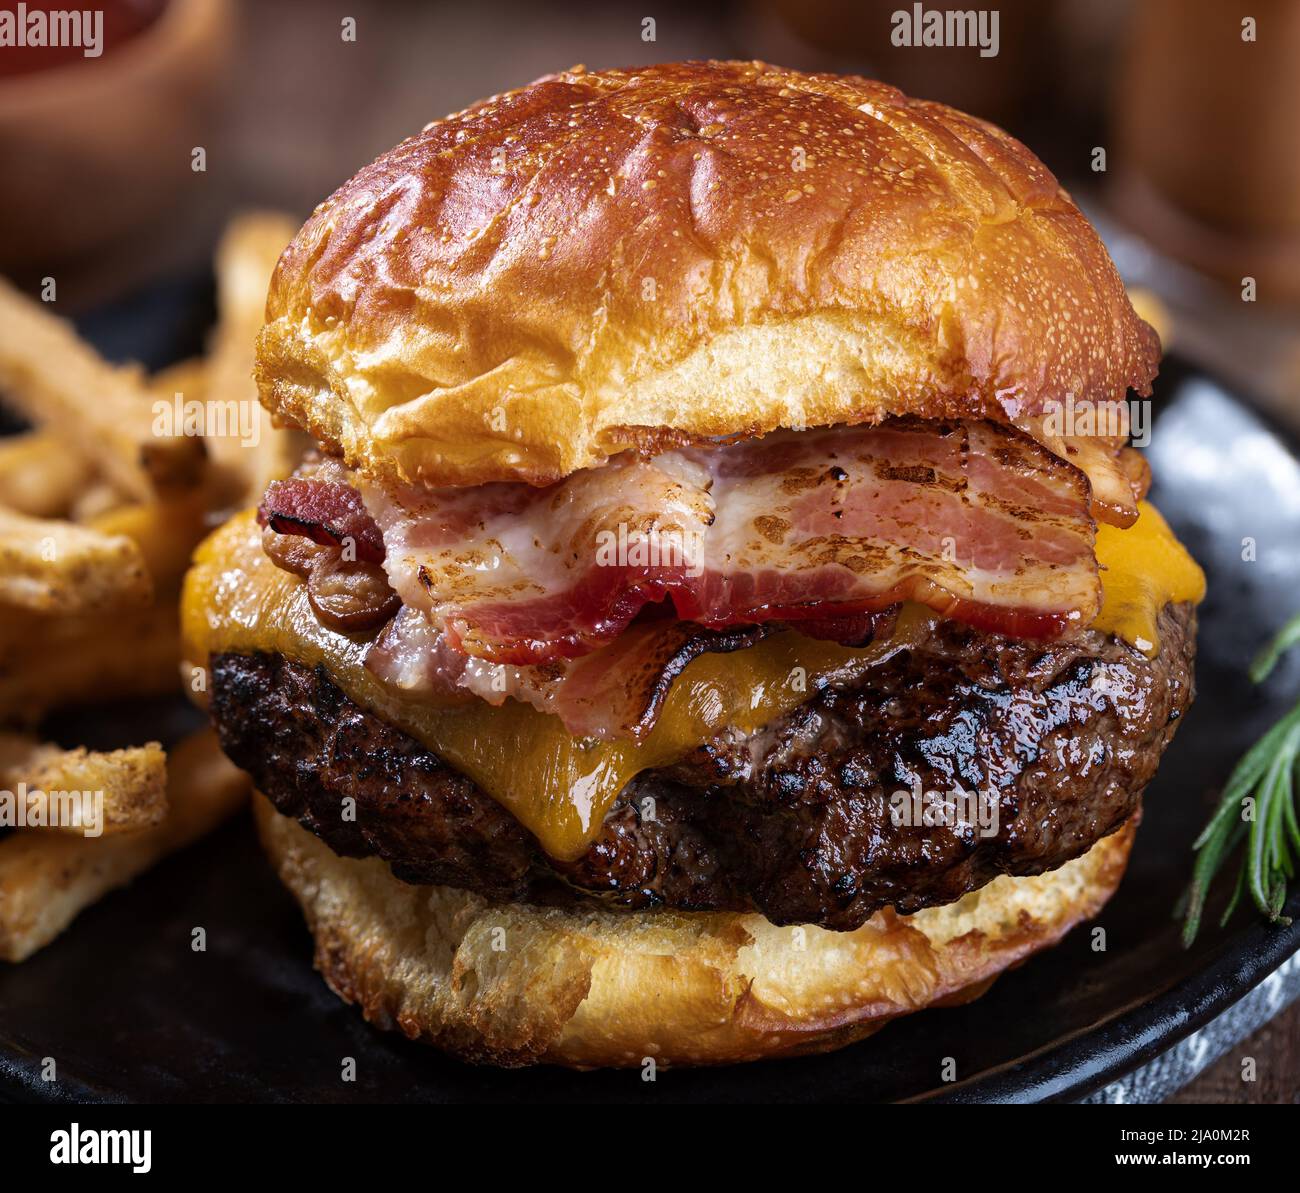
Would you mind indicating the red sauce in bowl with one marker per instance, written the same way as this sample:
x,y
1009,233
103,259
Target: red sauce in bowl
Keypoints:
x,y
21,24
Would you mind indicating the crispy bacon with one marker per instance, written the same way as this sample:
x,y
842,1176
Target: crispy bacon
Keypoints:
x,y
616,691
974,519
351,596
1119,475
587,599
327,511
518,575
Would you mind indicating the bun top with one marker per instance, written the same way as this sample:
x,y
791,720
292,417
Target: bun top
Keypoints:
x,y
636,258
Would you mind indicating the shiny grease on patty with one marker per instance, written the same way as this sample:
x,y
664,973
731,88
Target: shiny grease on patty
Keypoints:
x,y
793,820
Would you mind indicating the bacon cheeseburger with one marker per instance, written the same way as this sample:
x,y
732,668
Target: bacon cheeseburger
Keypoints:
x,y
705,633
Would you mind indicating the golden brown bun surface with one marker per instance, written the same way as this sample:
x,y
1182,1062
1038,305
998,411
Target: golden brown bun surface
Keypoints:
x,y
624,259
517,984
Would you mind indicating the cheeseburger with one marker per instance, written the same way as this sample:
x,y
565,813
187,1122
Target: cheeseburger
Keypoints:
x,y
723,613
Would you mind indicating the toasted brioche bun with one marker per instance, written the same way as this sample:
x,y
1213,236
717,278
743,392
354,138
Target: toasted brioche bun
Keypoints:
x,y
518,984
630,259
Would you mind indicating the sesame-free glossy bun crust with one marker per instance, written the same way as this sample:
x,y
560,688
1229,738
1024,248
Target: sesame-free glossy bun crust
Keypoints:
x,y
626,259
514,984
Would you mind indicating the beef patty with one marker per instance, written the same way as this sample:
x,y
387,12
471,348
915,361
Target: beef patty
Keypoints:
x,y
796,820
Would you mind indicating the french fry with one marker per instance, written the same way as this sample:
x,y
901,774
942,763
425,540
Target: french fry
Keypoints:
x,y
53,567
47,663
96,499
88,604
46,879
246,258
188,377
130,785
57,381
39,475
165,531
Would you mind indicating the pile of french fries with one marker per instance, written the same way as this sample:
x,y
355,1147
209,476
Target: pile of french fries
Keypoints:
x,y
101,505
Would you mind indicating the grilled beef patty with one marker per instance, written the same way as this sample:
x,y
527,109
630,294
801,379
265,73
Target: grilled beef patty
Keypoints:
x,y
795,820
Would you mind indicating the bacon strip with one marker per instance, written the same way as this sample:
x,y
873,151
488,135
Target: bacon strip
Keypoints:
x,y
616,691
1119,475
974,519
329,512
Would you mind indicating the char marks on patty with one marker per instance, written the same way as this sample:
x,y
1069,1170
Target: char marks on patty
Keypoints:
x,y
793,820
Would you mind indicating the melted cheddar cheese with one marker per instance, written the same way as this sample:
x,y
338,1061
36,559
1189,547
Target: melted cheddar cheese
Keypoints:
x,y
1143,569
558,786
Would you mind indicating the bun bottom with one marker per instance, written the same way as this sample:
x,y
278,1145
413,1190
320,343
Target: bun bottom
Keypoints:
x,y
516,984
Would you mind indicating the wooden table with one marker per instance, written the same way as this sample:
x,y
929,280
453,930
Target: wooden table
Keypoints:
x,y
1276,1050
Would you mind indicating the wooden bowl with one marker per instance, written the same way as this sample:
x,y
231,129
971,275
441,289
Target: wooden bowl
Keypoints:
x,y
97,149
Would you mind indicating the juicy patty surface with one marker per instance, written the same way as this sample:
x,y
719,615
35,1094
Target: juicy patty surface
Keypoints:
x,y
798,821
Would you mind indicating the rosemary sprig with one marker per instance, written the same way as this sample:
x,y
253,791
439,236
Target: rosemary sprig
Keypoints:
x,y
1258,807
1287,637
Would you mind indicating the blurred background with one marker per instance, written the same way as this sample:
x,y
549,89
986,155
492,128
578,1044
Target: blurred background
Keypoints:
x,y
1172,121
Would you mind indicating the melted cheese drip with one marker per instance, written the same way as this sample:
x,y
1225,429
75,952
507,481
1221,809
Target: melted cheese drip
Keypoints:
x,y
558,786
1144,568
